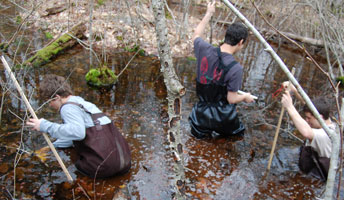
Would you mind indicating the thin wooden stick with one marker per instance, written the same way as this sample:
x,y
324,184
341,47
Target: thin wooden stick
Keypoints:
x,y
335,139
242,92
28,106
278,128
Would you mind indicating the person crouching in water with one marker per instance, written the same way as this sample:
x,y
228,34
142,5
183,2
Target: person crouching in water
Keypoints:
x,y
316,152
102,150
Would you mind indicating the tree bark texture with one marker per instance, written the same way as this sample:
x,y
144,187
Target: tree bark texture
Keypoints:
x,y
174,92
333,136
60,44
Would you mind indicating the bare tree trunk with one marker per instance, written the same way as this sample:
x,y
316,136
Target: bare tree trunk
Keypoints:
x,y
90,39
184,23
334,137
331,27
174,91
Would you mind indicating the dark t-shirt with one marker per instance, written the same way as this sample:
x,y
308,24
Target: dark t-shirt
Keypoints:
x,y
208,61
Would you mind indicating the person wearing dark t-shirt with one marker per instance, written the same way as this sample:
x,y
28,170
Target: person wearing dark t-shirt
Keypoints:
x,y
219,78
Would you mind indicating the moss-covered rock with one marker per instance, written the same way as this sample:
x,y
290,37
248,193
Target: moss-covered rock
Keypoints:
x,y
101,77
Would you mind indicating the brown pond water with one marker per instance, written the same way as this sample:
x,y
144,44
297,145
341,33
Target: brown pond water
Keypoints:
x,y
227,168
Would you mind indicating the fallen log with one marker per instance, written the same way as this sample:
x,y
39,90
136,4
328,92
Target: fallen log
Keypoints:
x,y
57,46
305,40
299,38
55,10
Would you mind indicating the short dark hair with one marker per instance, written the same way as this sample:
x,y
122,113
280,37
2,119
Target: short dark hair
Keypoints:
x,y
235,33
52,85
322,106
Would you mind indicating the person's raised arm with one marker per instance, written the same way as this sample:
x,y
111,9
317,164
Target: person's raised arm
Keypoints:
x,y
301,124
201,26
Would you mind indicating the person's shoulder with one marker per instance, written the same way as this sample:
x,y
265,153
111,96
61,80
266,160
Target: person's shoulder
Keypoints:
x,y
237,67
319,134
73,103
201,42
333,126
69,108
198,39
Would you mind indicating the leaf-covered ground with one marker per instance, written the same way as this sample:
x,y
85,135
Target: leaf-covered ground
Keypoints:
x,y
115,24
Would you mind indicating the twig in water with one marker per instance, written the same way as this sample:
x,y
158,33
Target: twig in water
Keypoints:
x,y
128,62
32,112
84,191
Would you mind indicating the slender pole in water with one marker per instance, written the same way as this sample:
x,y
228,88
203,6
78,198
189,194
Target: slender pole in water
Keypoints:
x,y
278,128
211,30
69,177
334,137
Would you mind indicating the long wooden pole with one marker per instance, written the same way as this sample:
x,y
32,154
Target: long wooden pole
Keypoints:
x,y
334,137
69,177
278,127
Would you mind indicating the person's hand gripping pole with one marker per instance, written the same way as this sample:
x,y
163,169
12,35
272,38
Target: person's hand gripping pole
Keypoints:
x,y
32,112
278,128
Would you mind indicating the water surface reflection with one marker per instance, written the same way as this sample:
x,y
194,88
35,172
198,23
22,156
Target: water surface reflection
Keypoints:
x,y
225,168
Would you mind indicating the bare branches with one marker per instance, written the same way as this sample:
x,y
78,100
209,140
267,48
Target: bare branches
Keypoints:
x,y
90,38
335,145
333,136
19,28
299,46
69,177
332,30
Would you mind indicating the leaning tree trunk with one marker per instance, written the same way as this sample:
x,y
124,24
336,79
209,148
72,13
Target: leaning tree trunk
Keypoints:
x,y
333,136
174,91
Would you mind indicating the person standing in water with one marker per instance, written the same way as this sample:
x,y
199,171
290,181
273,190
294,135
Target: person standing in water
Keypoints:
x,y
219,77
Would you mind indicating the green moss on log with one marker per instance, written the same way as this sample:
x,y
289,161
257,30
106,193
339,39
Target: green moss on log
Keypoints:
x,y
62,43
44,55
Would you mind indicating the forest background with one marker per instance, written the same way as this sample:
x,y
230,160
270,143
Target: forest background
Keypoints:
x,y
130,25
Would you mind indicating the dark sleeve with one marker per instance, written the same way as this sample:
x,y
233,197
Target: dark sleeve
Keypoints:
x,y
233,78
200,45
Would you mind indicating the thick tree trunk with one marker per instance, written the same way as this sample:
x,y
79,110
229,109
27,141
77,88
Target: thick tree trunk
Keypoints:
x,y
174,91
60,44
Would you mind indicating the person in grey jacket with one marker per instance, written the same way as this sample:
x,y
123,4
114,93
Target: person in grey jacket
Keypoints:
x,y
102,150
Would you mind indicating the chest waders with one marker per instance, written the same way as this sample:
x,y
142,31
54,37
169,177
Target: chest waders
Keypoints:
x,y
213,112
104,152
